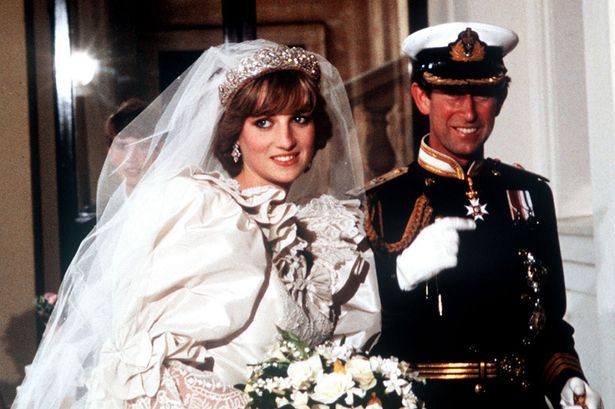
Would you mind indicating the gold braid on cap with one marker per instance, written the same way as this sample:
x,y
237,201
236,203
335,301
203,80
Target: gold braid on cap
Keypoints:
x,y
435,80
265,61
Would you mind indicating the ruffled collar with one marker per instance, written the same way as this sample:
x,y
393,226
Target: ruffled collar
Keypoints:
x,y
265,205
277,219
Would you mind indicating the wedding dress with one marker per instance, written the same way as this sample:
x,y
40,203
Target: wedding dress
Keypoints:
x,y
240,261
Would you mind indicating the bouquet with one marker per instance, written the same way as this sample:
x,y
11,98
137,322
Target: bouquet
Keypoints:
x,y
44,305
330,375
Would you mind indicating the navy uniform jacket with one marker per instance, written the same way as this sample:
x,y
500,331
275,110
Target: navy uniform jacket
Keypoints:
x,y
505,300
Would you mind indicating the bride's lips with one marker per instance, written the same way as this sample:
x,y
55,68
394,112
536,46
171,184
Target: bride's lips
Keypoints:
x,y
287,159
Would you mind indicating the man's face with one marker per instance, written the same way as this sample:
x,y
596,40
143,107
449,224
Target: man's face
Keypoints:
x,y
459,123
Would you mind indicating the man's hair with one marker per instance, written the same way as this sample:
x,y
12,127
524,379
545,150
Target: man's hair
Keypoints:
x,y
285,91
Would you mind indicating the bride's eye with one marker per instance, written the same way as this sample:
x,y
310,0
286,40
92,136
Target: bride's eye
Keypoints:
x,y
302,119
263,123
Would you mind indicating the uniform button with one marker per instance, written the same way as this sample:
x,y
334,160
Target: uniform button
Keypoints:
x,y
479,389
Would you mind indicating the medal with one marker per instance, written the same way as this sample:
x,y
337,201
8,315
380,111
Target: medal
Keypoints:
x,y
475,209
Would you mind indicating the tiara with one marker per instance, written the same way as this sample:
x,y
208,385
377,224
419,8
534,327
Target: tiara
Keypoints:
x,y
265,61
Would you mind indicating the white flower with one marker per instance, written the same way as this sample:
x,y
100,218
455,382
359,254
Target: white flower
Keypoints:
x,y
395,384
302,373
278,355
299,400
330,387
277,385
281,402
409,401
332,351
349,399
360,369
374,406
388,367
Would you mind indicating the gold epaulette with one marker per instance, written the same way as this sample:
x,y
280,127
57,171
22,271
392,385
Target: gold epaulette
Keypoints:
x,y
378,180
518,166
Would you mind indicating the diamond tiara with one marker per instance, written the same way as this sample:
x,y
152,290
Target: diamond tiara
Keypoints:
x,y
265,61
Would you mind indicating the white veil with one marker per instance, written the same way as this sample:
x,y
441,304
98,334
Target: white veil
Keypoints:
x,y
177,130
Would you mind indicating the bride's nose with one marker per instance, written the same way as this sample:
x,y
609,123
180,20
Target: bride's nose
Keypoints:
x,y
285,137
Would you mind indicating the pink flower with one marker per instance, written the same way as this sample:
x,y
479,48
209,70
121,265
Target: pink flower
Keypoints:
x,y
50,297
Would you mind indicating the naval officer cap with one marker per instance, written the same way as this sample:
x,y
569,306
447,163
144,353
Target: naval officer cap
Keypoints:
x,y
460,55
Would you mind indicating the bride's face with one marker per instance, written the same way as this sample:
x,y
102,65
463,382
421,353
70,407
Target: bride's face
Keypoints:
x,y
276,149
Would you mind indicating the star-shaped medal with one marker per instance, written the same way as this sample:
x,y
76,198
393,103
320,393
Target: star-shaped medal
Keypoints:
x,y
476,210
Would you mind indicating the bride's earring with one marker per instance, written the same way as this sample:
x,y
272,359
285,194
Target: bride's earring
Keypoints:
x,y
235,153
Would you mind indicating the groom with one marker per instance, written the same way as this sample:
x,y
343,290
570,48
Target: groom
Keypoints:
x,y
467,251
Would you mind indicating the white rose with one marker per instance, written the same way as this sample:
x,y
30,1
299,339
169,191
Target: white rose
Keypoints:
x,y
361,370
302,373
330,387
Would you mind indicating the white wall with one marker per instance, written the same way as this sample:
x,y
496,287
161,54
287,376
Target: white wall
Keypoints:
x,y
559,121
600,65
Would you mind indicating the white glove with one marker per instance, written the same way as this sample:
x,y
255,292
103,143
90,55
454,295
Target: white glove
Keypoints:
x,y
433,250
578,387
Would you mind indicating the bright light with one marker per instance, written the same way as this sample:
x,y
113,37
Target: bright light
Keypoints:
x,y
83,68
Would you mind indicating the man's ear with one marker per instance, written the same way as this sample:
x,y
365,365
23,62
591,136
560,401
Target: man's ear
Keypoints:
x,y
501,98
421,98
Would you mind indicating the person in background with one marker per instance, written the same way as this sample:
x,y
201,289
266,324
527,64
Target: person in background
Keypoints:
x,y
130,152
467,251
238,228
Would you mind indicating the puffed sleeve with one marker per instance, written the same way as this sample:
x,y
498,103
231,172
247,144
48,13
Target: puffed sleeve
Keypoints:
x,y
191,269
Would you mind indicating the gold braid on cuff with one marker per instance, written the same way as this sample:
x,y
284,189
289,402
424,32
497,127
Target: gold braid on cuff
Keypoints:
x,y
558,363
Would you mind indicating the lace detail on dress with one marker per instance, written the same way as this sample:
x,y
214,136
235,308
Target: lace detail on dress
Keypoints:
x,y
184,387
335,233
332,230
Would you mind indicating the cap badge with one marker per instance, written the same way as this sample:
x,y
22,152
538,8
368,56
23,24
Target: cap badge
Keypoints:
x,y
468,47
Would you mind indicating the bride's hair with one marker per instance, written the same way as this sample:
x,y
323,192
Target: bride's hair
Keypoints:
x,y
285,91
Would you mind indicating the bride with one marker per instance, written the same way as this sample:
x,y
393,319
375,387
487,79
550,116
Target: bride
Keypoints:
x,y
237,227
